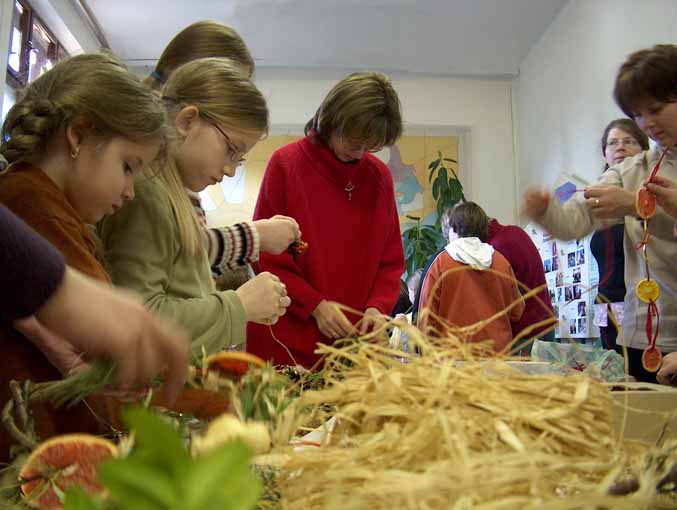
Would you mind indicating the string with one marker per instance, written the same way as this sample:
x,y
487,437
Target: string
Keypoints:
x,y
291,357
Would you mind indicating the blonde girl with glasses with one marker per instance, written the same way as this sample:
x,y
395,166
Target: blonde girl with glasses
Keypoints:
x,y
229,248
155,245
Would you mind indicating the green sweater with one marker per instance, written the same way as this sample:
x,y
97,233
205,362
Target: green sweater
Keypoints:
x,y
143,253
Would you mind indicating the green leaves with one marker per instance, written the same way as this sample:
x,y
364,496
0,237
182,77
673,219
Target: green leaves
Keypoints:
x,y
159,474
422,241
222,480
77,499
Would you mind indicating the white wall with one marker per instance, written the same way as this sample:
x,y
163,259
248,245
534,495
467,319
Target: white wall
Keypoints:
x,y
564,91
482,105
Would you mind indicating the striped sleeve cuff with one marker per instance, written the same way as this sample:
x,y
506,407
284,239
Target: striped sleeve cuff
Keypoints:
x,y
238,245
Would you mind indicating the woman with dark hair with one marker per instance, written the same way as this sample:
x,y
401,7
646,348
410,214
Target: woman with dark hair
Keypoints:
x,y
621,139
464,297
646,90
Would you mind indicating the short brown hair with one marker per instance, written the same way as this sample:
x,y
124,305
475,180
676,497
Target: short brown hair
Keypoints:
x,y
628,126
468,219
362,106
201,40
649,73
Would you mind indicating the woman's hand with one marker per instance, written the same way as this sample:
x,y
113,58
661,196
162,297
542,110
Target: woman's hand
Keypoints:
x,y
608,202
666,194
535,202
331,321
371,320
666,375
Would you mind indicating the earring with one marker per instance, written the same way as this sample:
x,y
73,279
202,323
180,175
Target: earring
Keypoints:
x,y
75,152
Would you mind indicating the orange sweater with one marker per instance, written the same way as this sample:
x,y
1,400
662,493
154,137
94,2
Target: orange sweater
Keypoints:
x,y
37,200
30,194
467,296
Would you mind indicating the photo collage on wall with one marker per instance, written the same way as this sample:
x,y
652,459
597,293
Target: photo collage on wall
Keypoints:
x,y
567,266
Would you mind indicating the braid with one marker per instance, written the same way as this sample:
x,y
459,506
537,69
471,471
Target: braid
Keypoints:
x,y
28,128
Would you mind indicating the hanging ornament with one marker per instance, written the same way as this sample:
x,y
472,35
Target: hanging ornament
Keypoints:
x,y
645,203
647,290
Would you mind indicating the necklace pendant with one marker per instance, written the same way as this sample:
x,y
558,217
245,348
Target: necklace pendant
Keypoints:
x,y
349,189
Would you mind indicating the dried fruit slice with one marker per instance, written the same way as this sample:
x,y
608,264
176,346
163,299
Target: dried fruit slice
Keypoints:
x,y
651,359
232,363
60,463
645,203
647,290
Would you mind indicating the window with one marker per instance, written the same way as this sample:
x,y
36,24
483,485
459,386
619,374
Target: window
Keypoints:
x,y
33,49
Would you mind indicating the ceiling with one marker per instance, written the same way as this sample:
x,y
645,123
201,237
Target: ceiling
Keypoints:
x,y
442,37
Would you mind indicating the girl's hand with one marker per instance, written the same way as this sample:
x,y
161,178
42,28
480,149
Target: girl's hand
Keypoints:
x,y
277,233
264,298
56,349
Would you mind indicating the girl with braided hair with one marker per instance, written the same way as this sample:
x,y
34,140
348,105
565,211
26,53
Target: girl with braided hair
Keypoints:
x,y
74,143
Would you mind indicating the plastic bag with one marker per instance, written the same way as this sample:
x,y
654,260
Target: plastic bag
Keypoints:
x,y
602,364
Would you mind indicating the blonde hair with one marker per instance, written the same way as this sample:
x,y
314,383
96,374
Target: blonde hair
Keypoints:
x,y
222,94
362,106
95,89
200,40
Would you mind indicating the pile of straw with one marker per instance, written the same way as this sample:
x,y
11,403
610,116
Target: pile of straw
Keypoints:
x,y
432,434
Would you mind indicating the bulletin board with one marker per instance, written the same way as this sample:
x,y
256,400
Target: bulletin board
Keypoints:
x,y
570,272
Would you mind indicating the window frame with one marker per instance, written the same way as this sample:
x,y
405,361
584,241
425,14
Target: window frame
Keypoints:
x,y
29,18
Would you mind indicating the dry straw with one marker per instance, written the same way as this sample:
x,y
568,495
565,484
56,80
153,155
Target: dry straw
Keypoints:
x,y
427,432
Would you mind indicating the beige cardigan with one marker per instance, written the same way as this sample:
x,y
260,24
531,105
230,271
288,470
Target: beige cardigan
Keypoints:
x,y
574,220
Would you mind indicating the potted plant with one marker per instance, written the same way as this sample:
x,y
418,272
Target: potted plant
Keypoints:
x,y
422,241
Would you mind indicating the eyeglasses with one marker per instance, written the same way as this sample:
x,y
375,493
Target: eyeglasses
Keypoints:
x,y
234,155
630,142
356,146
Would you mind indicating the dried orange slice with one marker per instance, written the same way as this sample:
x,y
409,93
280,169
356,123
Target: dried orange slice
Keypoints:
x,y
651,359
647,291
233,363
63,462
645,203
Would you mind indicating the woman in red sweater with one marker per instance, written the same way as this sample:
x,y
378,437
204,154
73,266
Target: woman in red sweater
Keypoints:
x,y
344,202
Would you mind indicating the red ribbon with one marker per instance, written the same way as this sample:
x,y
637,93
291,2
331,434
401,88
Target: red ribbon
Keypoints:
x,y
651,337
658,165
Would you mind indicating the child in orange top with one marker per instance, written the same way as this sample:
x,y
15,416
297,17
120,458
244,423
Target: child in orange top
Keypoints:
x,y
74,143
463,297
